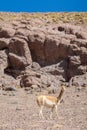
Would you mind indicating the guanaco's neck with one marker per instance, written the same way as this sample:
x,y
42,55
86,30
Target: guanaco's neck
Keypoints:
x,y
61,93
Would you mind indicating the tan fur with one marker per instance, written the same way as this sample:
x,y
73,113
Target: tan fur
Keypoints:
x,y
49,101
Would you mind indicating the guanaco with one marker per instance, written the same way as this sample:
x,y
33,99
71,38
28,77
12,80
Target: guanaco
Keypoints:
x,y
50,102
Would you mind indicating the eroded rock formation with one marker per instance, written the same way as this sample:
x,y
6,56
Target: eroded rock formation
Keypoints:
x,y
55,53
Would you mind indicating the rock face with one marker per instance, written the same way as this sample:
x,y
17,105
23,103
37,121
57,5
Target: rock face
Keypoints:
x,y
58,51
19,54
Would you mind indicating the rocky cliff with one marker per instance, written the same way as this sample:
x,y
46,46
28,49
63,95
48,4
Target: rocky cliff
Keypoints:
x,y
36,52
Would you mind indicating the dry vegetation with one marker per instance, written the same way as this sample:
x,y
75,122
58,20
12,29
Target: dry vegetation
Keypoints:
x,y
74,17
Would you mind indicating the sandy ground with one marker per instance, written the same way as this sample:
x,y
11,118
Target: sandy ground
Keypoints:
x,y
19,111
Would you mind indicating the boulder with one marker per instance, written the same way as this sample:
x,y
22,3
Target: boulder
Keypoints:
x,y
35,66
74,61
19,54
4,42
79,81
3,62
30,80
17,62
6,32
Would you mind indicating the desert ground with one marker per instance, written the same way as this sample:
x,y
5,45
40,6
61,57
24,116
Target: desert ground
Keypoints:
x,y
19,111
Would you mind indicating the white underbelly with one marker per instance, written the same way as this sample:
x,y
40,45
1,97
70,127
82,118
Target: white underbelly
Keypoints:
x,y
49,103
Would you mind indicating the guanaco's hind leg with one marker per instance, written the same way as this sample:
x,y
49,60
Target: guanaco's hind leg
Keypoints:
x,y
51,112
